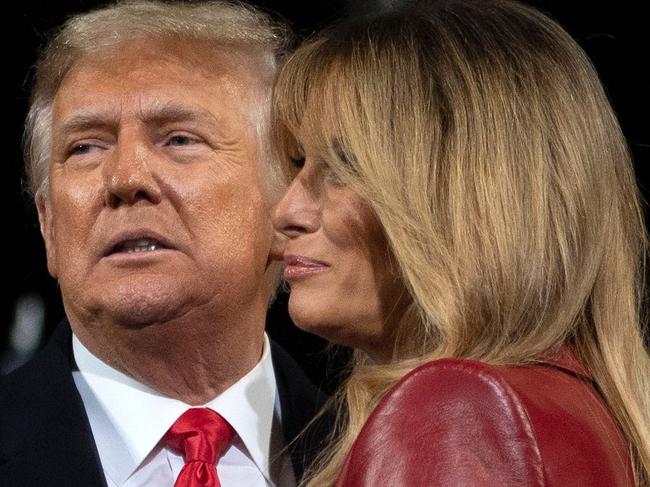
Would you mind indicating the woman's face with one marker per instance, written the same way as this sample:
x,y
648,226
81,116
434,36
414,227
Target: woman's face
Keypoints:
x,y
338,265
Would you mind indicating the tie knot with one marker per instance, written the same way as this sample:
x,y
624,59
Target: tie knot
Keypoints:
x,y
200,434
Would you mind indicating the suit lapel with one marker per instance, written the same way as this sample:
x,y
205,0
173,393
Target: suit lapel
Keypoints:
x,y
300,401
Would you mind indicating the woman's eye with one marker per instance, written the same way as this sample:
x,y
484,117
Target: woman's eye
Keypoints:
x,y
298,162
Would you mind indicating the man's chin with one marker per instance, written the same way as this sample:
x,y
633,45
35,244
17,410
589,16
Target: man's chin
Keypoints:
x,y
131,307
138,317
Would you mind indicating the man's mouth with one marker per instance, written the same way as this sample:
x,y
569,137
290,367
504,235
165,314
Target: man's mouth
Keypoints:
x,y
137,241
138,245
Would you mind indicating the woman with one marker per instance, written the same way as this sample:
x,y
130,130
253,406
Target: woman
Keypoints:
x,y
463,212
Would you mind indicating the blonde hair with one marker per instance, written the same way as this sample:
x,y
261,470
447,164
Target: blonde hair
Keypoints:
x,y
218,23
481,136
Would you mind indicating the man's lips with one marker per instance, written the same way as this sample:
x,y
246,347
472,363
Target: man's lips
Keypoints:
x,y
139,241
300,266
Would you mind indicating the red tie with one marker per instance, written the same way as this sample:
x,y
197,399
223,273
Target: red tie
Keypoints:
x,y
202,436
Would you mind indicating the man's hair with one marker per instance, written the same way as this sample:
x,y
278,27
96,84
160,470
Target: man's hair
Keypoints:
x,y
215,23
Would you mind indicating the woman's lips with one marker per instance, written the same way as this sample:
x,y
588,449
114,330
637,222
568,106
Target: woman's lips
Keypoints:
x,y
300,266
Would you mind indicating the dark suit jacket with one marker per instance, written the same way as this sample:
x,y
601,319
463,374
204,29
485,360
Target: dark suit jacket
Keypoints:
x,y
463,423
45,436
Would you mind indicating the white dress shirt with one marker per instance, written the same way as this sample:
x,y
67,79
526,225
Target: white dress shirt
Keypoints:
x,y
128,420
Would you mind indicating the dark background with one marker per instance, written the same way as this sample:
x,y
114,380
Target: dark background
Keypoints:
x,y
615,35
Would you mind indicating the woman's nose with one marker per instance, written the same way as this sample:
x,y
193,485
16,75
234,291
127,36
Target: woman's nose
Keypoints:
x,y
298,212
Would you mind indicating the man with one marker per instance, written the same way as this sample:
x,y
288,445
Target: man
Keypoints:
x,y
148,156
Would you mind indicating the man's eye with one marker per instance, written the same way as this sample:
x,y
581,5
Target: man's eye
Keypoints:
x,y
180,140
80,149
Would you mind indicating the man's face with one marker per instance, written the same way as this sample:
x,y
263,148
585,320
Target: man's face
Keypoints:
x,y
155,206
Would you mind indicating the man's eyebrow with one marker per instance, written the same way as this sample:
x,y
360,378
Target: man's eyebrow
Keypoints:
x,y
87,120
157,115
162,114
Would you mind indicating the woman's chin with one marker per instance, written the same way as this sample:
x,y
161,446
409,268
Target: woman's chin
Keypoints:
x,y
320,327
330,326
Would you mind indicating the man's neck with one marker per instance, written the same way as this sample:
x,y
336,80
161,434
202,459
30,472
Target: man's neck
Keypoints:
x,y
187,359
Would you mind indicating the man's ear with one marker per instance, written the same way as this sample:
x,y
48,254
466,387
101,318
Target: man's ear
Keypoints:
x,y
47,231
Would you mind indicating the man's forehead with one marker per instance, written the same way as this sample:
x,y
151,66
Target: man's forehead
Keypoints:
x,y
150,92
149,76
203,58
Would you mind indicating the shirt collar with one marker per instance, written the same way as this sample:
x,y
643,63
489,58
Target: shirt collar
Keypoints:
x,y
128,418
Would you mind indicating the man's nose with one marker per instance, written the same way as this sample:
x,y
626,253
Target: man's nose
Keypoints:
x,y
299,210
132,173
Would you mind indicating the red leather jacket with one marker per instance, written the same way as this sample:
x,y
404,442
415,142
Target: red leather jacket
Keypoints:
x,y
454,423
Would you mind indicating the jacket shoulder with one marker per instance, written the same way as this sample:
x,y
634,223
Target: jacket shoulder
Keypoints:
x,y
461,422
25,396
45,438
